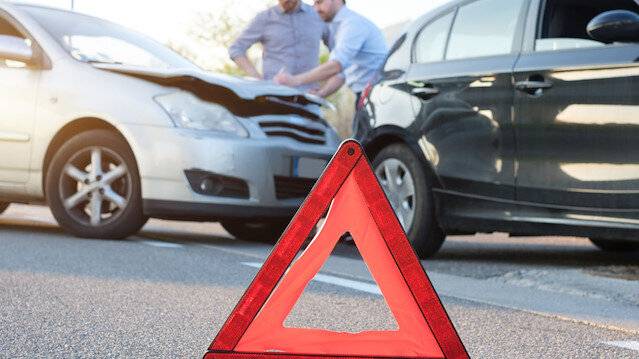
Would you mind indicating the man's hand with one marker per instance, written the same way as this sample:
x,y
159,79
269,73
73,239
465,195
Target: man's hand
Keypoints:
x,y
331,86
286,79
320,73
315,91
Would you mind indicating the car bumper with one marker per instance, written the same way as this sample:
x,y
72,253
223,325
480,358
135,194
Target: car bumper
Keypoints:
x,y
167,157
183,211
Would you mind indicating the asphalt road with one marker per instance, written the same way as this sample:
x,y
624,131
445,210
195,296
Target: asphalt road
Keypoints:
x,y
166,292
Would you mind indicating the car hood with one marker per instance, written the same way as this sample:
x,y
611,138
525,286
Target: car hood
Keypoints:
x,y
244,88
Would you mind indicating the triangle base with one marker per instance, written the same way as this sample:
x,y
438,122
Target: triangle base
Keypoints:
x,y
236,355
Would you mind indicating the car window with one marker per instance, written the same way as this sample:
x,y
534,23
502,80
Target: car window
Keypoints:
x,y
7,29
91,39
9,33
431,41
484,28
564,22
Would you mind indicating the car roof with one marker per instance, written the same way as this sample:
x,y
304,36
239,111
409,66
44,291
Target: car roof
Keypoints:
x,y
427,16
23,5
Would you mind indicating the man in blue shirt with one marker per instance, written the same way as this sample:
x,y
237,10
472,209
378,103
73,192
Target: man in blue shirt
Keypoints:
x,y
290,34
358,50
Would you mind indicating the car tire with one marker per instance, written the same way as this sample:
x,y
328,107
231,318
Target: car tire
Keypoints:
x,y
265,231
608,245
4,206
93,187
397,168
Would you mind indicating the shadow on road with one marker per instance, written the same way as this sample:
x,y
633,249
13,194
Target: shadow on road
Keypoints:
x,y
473,256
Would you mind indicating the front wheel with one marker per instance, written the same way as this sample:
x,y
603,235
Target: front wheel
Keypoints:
x,y
608,245
93,187
265,231
408,189
3,207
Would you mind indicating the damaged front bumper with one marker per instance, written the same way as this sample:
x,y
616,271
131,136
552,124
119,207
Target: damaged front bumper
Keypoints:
x,y
200,176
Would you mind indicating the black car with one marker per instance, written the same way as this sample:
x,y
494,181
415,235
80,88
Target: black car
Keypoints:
x,y
517,116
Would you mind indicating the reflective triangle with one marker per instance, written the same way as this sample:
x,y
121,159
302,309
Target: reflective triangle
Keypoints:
x,y
358,205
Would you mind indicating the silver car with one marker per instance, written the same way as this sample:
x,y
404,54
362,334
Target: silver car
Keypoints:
x,y
112,128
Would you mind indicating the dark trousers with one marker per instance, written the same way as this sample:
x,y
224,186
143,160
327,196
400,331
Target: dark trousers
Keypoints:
x,y
358,96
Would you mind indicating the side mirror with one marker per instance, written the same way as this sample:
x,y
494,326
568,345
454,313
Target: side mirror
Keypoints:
x,y
615,26
15,49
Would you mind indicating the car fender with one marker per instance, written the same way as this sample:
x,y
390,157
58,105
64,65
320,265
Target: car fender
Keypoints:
x,y
382,136
47,144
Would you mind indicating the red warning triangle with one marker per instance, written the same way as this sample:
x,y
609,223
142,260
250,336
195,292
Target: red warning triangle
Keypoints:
x,y
358,205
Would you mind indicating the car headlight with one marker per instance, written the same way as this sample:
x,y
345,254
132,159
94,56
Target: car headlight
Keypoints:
x,y
188,111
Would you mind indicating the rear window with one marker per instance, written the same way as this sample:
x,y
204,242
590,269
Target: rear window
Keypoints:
x,y
485,28
431,41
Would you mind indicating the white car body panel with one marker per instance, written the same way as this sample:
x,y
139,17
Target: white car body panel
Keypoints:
x,y
41,102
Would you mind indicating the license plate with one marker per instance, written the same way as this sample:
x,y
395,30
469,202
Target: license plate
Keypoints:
x,y
308,167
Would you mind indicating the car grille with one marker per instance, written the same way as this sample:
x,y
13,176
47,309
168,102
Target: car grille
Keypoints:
x,y
293,187
300,133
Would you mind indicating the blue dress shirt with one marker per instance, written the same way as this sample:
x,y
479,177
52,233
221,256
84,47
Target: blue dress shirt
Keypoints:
x,y
358,45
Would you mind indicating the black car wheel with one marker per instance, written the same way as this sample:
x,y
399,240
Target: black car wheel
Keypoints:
x,y
93,187
265,232
3,207
615,245
408,189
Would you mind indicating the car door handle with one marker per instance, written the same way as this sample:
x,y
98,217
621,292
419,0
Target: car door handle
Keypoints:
x,y
425,93
533,87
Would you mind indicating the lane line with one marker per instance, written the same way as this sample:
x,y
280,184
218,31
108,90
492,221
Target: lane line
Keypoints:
x,y
329,279
626,344
160,244
237,252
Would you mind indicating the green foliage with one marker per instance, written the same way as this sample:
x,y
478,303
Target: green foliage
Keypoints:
x,y
212,33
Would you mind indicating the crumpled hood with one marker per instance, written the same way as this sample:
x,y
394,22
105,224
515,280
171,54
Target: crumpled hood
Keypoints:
x,y
244,88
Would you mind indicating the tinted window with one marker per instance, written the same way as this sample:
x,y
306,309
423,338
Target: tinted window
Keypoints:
x,y
6,29
485,28
431,41
9,34
565,22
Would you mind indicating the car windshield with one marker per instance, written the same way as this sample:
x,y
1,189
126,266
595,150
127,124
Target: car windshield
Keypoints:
x,y
93,40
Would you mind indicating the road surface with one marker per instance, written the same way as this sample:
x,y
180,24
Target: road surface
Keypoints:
x,y
168,290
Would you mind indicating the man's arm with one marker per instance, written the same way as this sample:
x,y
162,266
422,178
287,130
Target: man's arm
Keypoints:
x,y
247,66
320,73
331,86
348,42
251,35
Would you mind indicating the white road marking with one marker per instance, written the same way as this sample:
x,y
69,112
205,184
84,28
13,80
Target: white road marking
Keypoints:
x,y
162,244
628,344
329,279
563,306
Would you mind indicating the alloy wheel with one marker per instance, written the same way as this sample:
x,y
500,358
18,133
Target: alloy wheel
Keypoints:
x,y
95,186
398,184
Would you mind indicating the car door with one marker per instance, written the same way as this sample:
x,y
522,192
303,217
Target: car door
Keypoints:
x,y
18,92
465,95
577,113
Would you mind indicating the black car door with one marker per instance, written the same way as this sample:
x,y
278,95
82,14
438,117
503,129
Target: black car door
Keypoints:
x,y
465,95
577,112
